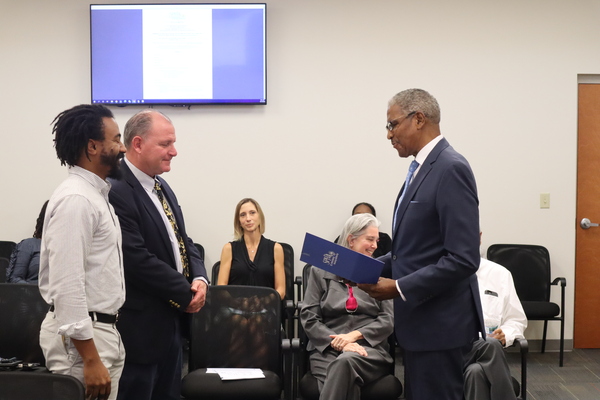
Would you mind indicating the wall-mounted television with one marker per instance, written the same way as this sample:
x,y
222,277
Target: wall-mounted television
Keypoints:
x,y
178,54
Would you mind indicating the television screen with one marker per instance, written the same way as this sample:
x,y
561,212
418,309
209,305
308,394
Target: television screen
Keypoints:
x,y
178,54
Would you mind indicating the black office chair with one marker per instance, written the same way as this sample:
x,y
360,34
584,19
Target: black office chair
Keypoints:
x,y
387,387
6,248
39,385
3,268
530,268
238,327
300,282
521,388
200,250
288,304
288,264
214,274
22,310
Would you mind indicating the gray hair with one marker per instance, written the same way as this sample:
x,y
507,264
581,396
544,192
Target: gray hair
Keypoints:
x,y
355,226
139,125
413,100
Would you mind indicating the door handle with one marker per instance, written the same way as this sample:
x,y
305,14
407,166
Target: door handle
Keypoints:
x,y
586,223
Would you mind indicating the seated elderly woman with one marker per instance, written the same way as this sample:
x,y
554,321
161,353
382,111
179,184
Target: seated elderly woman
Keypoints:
x,y
251,259
384,245
347,329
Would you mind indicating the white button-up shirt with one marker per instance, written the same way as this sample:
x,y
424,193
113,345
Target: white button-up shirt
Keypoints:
x,y
81,261
500,301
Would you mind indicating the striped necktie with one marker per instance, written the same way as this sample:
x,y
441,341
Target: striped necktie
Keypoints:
x,y
182,251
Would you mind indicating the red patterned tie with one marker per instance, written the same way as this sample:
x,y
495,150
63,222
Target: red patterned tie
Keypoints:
x,y
351,303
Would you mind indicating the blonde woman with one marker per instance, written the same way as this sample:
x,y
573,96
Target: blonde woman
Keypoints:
x,y
251,259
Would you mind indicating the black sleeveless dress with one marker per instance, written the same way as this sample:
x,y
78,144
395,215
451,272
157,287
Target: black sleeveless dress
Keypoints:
x,y
260,272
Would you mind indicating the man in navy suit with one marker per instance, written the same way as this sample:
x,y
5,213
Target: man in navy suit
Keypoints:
x,y
435,253
164,273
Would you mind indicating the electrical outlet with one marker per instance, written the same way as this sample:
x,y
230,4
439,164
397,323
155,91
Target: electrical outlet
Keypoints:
x,y
544,200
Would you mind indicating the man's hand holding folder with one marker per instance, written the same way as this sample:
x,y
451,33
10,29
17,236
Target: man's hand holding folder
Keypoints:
x,y
384,289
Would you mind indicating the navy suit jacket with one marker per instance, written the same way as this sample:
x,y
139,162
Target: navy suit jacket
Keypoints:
x,y
435,254
157,294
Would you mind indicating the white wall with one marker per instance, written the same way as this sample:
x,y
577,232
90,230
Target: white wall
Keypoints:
x,y
504,73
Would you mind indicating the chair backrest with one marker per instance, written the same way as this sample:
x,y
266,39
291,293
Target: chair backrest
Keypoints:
x,y
6,248
200,250
215,272
305,276
238,327
529,266
22,310
288,264
37,385
3,268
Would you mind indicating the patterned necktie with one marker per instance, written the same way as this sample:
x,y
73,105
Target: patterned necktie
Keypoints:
x,y
411,170
182,252
351,303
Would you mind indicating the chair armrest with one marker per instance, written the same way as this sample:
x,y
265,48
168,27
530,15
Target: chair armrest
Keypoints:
x,y
522,344
289,305
286,349
563,282
289,316
524,350
298,282
295,343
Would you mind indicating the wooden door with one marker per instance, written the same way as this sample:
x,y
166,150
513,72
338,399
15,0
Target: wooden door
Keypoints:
x,y
586,332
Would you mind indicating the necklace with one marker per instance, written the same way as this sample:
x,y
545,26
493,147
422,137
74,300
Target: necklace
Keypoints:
x,y
251,247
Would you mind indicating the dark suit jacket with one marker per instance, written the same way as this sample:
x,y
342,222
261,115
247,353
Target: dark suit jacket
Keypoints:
x,y
156,294
435,253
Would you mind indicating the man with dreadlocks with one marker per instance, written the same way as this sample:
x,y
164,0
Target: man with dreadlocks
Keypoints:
x,y
81,267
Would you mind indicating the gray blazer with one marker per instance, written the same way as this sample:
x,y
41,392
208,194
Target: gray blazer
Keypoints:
x,y
324,313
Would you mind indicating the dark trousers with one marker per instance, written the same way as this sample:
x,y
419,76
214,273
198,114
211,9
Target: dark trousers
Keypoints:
x,y
435,374
487,374
158,381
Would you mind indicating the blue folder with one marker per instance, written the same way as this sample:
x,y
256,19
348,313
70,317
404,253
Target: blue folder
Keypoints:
x,y
339,260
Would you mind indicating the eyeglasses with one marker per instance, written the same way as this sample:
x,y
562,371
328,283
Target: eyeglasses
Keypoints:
x,y
392,124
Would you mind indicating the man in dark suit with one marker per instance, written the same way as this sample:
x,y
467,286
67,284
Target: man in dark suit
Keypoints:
x,y
435,252
164,273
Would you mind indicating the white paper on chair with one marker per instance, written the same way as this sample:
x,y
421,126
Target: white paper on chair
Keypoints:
x,y
230,374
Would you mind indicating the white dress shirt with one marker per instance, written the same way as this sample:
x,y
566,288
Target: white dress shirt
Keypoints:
x,y
499,300
81,259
